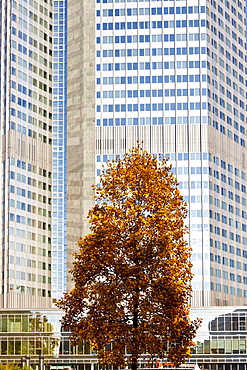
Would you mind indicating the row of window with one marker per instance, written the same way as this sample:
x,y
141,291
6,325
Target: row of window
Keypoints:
x,y
229,134
154,51
29,194
206,184
29,208
26,104
228,262
151,121
34,4
32,107
228,221
154,11
26,166
28,180
213,2
230,249
19,233
23,63
236,126
20,261
31,54
150,93
167,24
147,79
226,52
34,30
32,15
151,107
28,221
141,38
154,65
234,23
227,15
229,108
206,170
170,156
23,36
233,7
216,230
223,205
144,52
222,102
29,132
224,38
223,178
225,289
223,90
223,191
192,184
28,290
234,61
200,227
29,249
180,92
226,275
148,25
228,166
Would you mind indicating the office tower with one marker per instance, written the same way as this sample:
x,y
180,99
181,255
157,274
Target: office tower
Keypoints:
x,y
171,74
26,162
59,155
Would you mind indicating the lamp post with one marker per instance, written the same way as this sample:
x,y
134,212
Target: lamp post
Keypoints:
x,y
27,358
23,362
41,362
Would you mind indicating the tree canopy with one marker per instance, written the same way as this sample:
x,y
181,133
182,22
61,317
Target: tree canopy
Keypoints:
x,y
132,273
13,366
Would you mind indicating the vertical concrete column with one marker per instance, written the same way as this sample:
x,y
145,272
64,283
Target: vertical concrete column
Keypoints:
x,y
81,120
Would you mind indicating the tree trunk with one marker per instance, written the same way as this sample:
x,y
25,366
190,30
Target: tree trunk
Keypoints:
x,y
134,364
135,351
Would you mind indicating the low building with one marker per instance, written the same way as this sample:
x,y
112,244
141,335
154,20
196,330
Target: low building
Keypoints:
x,y
220,343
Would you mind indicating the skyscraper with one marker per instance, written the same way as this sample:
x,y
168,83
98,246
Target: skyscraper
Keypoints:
x,y
171,74
26,162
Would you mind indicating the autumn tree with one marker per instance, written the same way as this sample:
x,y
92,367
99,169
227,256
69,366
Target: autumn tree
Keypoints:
x,y
132,273
13,366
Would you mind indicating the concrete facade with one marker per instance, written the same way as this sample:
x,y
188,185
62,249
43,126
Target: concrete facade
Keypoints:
x,y
81,119
25,153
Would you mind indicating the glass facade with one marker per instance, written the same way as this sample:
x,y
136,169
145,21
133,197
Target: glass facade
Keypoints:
x,y
172,74
26,125
59,155
220,344
221,340
38,333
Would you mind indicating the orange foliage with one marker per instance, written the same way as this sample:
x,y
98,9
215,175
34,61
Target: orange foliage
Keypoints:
x,y
132,273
